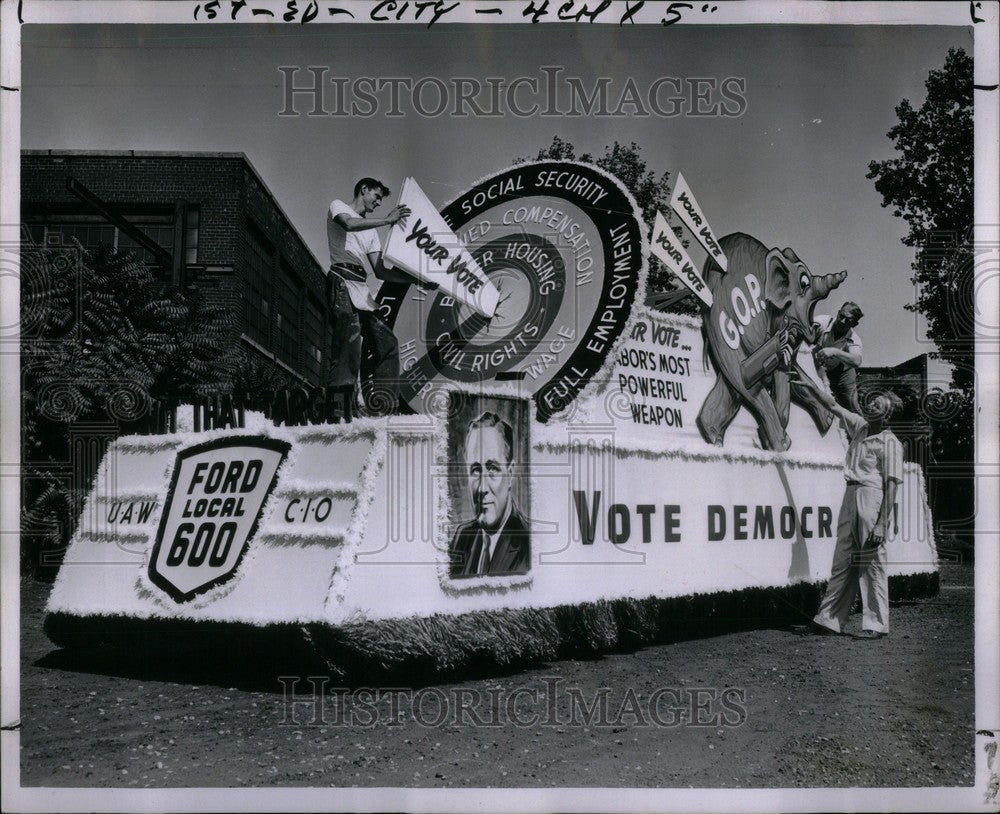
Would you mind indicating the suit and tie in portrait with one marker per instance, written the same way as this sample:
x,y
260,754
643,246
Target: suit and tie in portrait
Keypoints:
x,y
496,541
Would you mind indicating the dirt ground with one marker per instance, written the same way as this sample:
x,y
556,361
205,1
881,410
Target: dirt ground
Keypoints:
x,y
754,709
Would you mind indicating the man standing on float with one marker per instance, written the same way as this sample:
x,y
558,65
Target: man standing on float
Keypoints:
x,y
361,341
838,353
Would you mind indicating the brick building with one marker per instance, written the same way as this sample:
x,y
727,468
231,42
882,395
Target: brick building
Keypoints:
x,y
219,226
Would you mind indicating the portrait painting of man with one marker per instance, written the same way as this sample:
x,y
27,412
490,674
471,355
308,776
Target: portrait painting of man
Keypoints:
x,y
495,540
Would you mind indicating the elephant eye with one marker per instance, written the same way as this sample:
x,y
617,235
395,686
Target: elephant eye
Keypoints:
x,y
805,281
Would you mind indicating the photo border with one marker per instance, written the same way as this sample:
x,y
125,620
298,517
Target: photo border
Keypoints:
x,y
987,567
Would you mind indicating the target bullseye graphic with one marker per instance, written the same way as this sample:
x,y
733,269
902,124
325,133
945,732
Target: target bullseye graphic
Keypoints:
x,y
566,254
472,348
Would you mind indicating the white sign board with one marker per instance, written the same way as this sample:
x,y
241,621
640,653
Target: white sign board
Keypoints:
x,y
682,201
428,249
665,245
213,508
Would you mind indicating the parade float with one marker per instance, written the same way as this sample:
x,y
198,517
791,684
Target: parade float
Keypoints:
x,y
667,477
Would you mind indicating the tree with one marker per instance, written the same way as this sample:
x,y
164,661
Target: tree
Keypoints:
x,y
101,342
930,185
253,375
651,193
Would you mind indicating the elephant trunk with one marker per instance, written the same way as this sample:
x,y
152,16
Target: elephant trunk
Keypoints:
x,y
822,286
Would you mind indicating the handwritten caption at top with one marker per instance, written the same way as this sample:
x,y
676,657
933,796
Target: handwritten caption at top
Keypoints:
x,y
433,11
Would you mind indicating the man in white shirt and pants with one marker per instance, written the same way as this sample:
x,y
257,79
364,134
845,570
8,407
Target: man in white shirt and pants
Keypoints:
x,y
873,470
362,342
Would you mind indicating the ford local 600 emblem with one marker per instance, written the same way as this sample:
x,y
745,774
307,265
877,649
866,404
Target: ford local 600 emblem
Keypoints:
x,y
561,242
215,502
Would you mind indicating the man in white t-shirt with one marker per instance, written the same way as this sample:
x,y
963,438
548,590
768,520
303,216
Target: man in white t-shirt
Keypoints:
x,y
873,470
837,352
362,342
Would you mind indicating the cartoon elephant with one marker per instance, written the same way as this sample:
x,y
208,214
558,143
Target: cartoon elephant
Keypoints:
x,y
762,311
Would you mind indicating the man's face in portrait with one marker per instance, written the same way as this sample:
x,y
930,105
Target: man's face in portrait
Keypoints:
x,y
490,475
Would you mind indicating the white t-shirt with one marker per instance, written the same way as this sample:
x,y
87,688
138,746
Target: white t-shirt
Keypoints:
x,y
871,459
849,342
353,248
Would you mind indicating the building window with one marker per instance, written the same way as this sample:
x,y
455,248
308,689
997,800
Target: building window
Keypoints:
x,y
313,332
287,319
192,220
160,228
281,316
259,257
62,232
61,229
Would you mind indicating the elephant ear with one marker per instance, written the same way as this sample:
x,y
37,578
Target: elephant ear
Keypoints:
x,y
791,256
777,290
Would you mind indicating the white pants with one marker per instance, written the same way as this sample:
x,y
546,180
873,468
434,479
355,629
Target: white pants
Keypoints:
x,y
856,566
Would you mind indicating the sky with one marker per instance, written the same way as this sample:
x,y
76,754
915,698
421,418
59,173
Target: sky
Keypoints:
x,y
790,170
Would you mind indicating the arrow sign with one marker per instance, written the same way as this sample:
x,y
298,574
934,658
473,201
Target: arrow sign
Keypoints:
x,y
429,250
665,245
683,203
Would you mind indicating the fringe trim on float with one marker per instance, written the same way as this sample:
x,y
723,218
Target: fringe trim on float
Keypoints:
x,y
130,497
485,640
331,538
552,441
317,489
354,537
914,469
136,538
149,443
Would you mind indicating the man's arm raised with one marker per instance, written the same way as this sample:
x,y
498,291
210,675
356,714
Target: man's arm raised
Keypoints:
x,y
359,224
851,420
849,357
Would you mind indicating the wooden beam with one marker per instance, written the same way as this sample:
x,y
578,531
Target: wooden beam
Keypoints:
x,y
163,257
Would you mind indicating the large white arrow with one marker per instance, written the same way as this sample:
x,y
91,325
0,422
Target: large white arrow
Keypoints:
x,y
426,248
683,203
665,245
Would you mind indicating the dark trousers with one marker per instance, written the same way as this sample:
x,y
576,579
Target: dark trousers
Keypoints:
x,y
361,343
844,387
